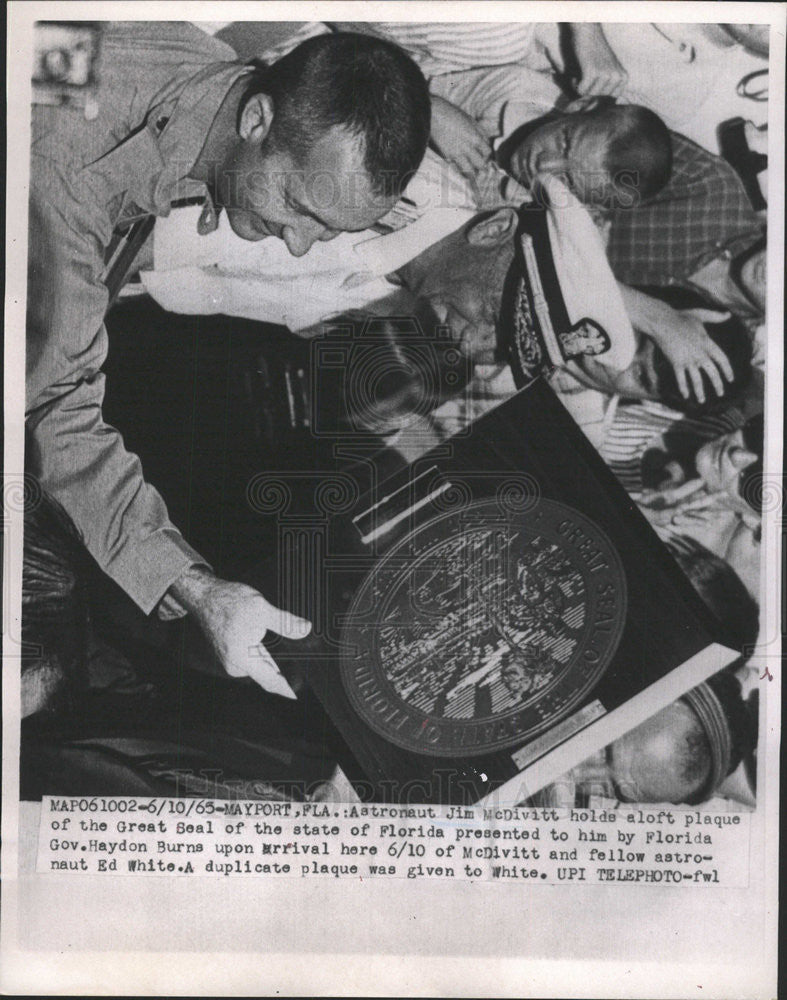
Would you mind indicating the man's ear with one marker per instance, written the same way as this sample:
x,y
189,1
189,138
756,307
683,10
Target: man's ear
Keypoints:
x,y
492,228
256,118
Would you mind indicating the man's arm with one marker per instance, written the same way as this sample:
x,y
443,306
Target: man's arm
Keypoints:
x,y
82,462
79,459
601,73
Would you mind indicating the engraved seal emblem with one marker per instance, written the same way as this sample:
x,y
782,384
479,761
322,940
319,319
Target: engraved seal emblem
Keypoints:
x,y
483,627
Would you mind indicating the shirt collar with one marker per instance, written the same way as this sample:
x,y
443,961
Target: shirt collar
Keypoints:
x,y
152,166
183,137
208,221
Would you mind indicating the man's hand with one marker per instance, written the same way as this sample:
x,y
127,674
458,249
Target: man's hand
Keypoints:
x,y
235,619
682,337
667,498
691,352
601,73
458,138
688,508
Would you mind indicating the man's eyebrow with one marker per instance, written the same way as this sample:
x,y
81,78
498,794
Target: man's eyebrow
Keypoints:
x,y
303,209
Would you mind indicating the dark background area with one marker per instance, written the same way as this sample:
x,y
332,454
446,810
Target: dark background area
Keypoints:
x,y
203,402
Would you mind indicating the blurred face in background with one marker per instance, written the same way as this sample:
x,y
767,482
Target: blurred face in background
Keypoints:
x,y
462,279
720,463
574,148
649,764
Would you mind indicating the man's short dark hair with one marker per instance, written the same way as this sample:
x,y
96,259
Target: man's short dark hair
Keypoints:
x,y
366,85
639,150
733,338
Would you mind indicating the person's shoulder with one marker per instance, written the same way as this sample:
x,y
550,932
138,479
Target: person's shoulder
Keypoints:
x,y
161,41
691,162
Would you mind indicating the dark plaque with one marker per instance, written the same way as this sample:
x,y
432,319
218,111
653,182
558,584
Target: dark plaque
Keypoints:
x,y
490,616
484,627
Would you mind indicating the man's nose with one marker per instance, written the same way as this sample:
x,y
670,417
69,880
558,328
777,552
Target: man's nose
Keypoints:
x,y
300,239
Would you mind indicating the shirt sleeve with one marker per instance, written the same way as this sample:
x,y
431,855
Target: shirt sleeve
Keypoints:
x,y
80,460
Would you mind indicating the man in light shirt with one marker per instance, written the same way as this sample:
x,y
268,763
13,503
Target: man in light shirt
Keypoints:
x,y
176,116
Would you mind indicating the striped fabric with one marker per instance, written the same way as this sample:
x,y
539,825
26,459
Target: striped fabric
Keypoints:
x,y
451,47
638,426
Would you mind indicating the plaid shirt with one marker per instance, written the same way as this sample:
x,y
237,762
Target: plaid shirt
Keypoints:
x,y
702,212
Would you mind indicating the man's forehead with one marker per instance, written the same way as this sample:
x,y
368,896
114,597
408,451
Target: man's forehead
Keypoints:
x,y
487,259
332,183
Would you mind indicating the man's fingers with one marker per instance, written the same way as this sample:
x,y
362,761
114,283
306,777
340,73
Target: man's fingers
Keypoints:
x,y
687,518
258,664
683,385
710,500
465,168
659,499
479,145
696,381
677,494
721,359
262,669
466,165
688,488
608,84
714,375
286,624
478,158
